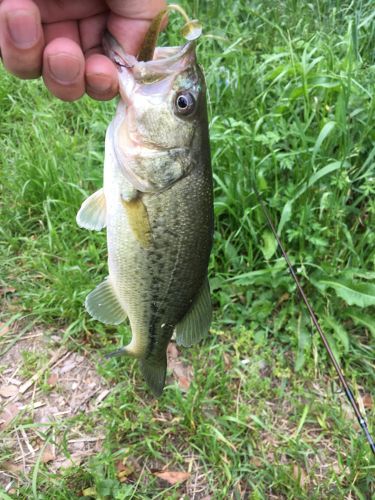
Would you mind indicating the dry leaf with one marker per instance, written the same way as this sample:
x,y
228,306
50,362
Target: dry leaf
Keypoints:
x,y
120,466
367,401
89,492
283,298
52,379
12,467
183,375
256,461
4,329
124,474
8,414
300,475
48,454
339,469
7,391
172,351
227,360
173,477
75,459
125,468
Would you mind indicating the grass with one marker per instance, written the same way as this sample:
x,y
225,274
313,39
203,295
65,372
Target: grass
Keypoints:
x,y
291,102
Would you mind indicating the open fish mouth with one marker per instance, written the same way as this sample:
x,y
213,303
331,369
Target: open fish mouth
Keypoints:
x,y
166,60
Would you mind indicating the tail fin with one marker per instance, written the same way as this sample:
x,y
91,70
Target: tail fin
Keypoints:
x,y
154,371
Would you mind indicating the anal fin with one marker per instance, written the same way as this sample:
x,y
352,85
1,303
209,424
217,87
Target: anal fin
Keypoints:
x,y
103,305
93,213
195,324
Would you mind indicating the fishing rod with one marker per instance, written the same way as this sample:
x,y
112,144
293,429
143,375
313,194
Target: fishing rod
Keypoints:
x,y
361,420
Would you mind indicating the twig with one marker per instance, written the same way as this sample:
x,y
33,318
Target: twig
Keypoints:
x,y
22,456
58,354
35,335
86,439
27,442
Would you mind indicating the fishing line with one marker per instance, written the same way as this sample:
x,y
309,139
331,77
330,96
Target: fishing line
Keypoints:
x,y
361,420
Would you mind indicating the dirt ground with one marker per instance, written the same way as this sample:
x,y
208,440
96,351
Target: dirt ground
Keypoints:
x,y
65,385
46,387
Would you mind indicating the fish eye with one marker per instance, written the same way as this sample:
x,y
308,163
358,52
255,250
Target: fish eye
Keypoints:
x,y
185,103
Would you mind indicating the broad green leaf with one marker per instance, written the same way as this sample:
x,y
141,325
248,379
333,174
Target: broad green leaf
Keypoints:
x,y
324,133
363,319
300,361
358,273
322,172
333,346
285,216
269,244
251,277
339,330
354,293
331,167
304,345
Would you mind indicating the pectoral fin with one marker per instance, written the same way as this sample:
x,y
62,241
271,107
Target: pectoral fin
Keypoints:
x,y
138,221
195,324
103,305
92,214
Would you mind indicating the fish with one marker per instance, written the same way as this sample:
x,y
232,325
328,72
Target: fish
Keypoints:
x,y
157,207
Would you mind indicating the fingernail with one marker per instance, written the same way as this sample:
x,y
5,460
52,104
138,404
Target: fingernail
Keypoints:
x,y
23,28
99,82
64,68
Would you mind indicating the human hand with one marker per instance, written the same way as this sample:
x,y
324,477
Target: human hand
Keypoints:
x,y
62,41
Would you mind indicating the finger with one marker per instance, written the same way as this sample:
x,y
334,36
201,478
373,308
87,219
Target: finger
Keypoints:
x,y
101,74
62,29
137,9
101,77
58,10
129,21
91,30
63,69
21,38
130,33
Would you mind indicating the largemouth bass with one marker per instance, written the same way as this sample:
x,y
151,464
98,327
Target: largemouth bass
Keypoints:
x,y
157,206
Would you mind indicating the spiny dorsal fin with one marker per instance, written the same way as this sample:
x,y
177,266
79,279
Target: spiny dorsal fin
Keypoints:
x,y
93,213
195,324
